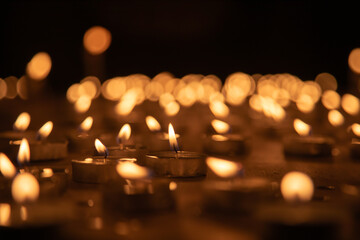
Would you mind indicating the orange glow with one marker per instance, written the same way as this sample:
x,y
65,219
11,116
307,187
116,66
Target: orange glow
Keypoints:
x,y
219,126
25,188
7,169
219,109
172,186
166,98
72,94
172,139
39,66
22,122
127,103
152,124
153,90
24,151
172,108
86,124
129,170
326,81
47,172
219,138
11,83
186,96
114,88
223,168
331,99
82,104
255,103
297,186
356,129
354,60
124,134
301,128
335,118
305,103
3,88
97,40
350,104
23,213
100,147
89,89
311,89
45,130
5,213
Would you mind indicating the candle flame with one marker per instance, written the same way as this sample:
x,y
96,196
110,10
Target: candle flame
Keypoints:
x,y
152,124
350,104
86,124
100,148
219,109
297,186
172,139
5,213
130,170
45,130
301,128
97,40
220,127
47,172
7,169
25,188
39,67
22,122
82,104
223,168
219,138
124,134
335,118
356,129
24,151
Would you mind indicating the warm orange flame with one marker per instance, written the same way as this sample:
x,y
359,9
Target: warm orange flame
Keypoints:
x,y
172,108
22,122
219,138
97,40
223,168
25,188
39,67
335,118
124,134
152,124
354,60
301,128
86,124
172,139
7,169
219,109
331,99
356,129
24,151
220,127
350,104
47,172
5,214
297,186
131,170
172,186
100,148
45,130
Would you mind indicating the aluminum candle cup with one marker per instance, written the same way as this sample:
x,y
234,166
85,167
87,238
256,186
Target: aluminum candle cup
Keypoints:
x,y
129,151
177,164
159,141
309,146
129,197
241,195
43,150
80,142
227,144
96,169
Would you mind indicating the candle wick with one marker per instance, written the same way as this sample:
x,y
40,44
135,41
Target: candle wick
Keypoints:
x,y
38,137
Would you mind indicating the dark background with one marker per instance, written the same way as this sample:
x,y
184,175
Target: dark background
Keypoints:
x,y
303,38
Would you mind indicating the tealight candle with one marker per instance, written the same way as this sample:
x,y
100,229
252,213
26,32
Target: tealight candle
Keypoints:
x,y
97,169
20,131
233,194
157,140
298,218
224,143
123,150
176,163
81,140
43,149
136,192
306,144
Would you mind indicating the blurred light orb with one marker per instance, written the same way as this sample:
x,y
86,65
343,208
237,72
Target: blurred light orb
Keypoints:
x,y
335,118
297,187
331,99
354,60
3,88
326,81
39,66
97,40
350,104
25,188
